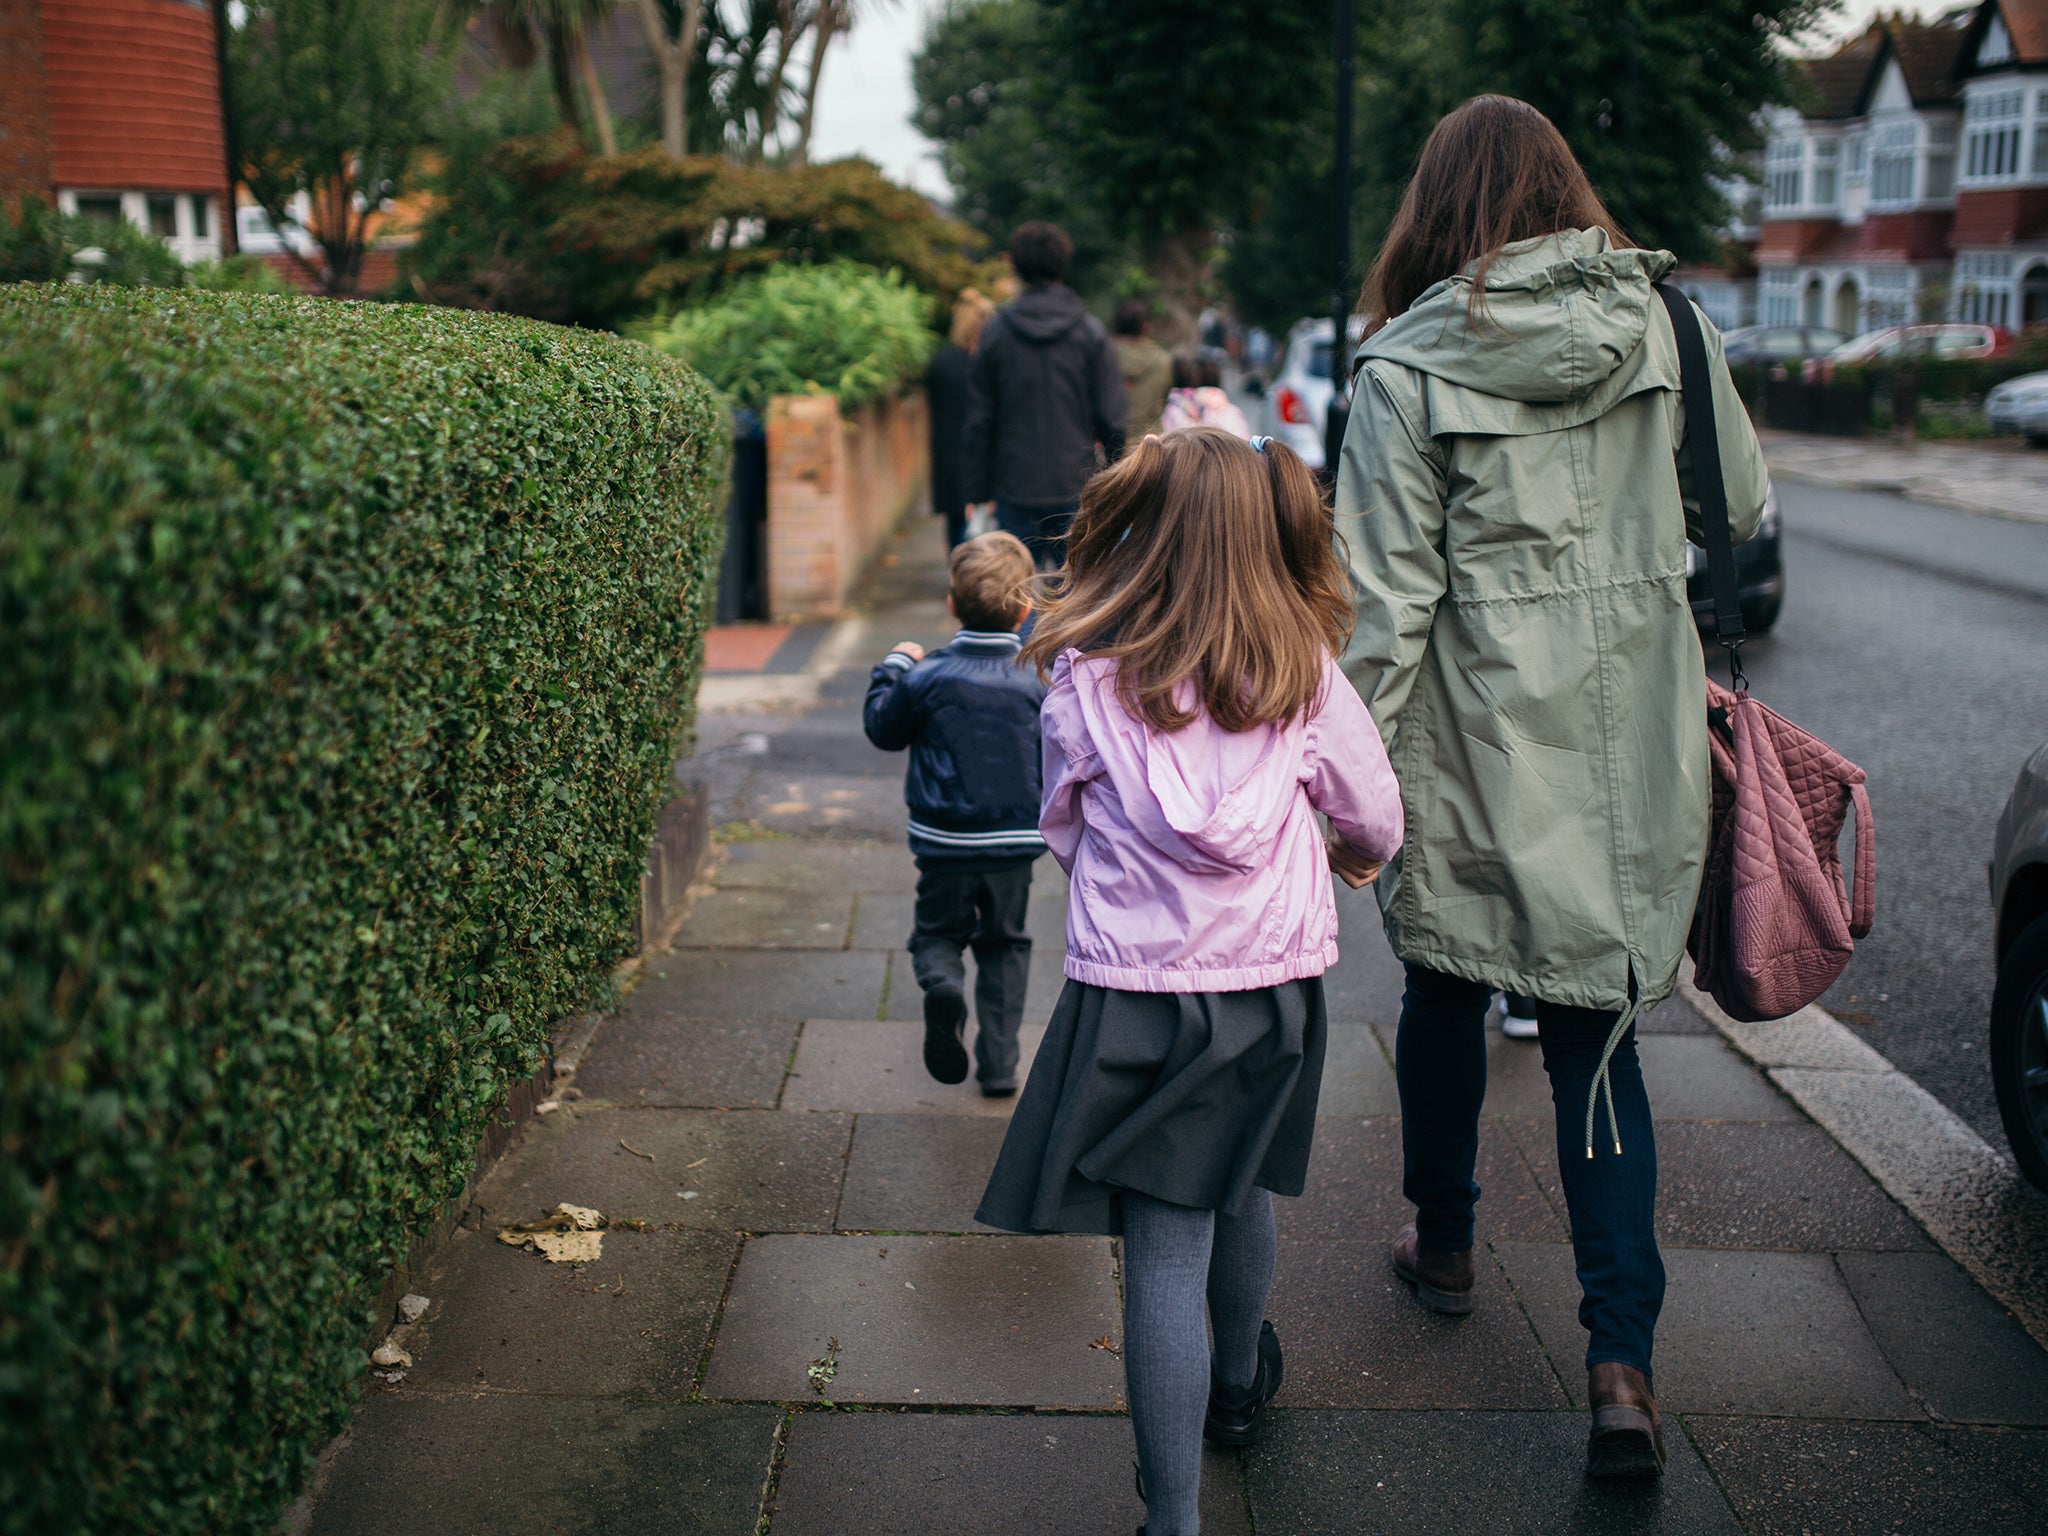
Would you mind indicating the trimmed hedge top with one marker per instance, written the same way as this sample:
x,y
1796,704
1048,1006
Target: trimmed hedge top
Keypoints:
x,y
348,651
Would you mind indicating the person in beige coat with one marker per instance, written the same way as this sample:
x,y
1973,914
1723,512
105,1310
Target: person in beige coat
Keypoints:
x,y
1515,491
1147,366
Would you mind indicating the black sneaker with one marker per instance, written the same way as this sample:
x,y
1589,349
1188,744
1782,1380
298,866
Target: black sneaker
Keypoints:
x,y
1237,1416
945,1018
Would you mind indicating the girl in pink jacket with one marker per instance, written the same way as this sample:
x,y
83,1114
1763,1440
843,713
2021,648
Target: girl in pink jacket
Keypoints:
x,y
1196,733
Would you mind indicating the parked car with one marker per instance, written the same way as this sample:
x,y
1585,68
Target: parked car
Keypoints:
x,y
2019,1004
1954,338
1298,397
1759,575
2019,405
1779,343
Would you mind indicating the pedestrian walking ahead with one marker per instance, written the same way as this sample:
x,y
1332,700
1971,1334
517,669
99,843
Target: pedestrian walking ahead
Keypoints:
x,y
1045,399
945,393
1147,366
1197,723
1516,492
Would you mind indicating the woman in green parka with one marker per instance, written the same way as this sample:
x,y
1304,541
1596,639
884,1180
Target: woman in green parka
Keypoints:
x,y
1516,494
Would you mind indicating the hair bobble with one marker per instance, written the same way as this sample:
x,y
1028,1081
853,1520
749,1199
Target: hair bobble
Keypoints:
x,y
1259,443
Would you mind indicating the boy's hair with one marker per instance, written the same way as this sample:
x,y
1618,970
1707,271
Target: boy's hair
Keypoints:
x,y
989,581
1198,560
1040,252
1132,316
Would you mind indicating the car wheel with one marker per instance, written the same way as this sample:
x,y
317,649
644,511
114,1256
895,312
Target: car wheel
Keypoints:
x,y
2019,1050
1759,618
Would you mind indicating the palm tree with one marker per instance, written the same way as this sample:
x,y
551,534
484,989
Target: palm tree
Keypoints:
x,y
671,27
522,29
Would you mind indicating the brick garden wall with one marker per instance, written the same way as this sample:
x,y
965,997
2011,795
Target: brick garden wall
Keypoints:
x,y
836,486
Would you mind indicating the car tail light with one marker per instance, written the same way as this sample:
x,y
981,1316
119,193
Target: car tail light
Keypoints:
x,y
1291,410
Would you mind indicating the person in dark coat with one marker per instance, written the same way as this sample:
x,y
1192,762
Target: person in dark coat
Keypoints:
x,y
945,390
1045,400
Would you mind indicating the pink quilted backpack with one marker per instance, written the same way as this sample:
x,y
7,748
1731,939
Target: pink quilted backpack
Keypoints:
x,y
1775,925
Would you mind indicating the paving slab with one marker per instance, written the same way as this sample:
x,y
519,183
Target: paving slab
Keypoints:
x,y
923,1320
2016,1459
762,984
883,920
631,1323
1742,1184
919,1173
1353,1190
768,918
1960,1352
743,1170
911,1474
862,1066
815,864
654,1059
1355,1337
1690,1077
1742,1333
483,1465
1788,1478
1362,1474
1357,1079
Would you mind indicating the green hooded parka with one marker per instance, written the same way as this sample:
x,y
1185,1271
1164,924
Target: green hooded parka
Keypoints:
x,y
1515,492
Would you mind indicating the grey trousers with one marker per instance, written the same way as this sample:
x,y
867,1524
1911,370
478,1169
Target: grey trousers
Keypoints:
x,y
985,912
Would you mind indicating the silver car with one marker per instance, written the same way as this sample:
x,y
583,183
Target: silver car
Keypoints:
x,y
2019,1004
1298,398
2019,405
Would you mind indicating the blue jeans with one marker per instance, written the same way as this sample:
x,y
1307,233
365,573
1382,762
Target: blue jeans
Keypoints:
x,y
1440,1061
1042,528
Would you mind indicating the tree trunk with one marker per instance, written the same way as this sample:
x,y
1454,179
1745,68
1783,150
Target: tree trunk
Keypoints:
x,y
562,76
771,106
341,234
1177,263
593,87
672,56
828,22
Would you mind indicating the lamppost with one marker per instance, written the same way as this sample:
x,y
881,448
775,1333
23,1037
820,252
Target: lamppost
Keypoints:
x,y
1340,290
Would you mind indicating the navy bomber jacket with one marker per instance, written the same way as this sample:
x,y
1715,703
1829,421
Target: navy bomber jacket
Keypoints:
x,y
968,713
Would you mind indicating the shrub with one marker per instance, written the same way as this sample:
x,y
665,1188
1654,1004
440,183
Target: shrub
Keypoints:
x,y
348,652
37,244
842,330
536,226
236,274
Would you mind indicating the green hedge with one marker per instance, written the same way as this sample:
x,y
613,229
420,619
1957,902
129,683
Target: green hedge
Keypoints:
x,y
348,650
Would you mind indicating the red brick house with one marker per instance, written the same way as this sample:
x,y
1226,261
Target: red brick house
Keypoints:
x,y
1915,184
112,109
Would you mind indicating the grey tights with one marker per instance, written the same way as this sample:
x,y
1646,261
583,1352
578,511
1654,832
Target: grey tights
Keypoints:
x,y
1174,1254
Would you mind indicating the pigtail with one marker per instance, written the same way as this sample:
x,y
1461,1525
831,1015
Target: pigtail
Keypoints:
x,y
1308,532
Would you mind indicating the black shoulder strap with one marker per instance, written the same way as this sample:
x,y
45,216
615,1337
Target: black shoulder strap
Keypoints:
x,y
1696,386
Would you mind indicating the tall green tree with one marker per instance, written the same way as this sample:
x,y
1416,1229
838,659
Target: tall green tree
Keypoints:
x,y
1657,100
1181,117
334,98
992,100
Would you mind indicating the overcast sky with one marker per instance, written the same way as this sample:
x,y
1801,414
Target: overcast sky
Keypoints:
x,y
864,105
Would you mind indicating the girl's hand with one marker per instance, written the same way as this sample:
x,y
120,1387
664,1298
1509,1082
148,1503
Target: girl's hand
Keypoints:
x,y
1351,866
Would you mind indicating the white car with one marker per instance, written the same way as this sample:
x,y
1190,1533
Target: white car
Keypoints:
x,y
1298,396
1948,338
2019,405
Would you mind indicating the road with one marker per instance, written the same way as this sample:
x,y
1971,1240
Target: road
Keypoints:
x,y
1915,640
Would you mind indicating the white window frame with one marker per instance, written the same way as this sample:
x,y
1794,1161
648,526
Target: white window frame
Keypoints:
x,y
1895,151
1995,124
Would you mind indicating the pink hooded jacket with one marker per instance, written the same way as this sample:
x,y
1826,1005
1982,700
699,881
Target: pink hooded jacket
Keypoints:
x,y
1196,856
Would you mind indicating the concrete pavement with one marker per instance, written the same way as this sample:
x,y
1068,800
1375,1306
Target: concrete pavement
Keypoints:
x,y
796,1327
1997,479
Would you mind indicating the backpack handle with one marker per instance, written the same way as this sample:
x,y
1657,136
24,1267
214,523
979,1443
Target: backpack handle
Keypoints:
x,y
1703,436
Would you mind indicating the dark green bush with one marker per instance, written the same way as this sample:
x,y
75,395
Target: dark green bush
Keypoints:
x,y
347,652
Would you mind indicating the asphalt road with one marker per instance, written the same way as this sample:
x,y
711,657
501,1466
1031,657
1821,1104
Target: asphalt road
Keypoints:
x,y
1915,640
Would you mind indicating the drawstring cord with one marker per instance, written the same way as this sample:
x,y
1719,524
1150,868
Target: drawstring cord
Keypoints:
x,y
1603,1080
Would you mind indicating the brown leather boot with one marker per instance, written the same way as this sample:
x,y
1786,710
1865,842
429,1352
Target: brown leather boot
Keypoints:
x,y
1628,1437
1442,1277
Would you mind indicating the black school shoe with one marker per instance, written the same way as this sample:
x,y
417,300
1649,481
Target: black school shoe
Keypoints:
x,y
1237,1416
945,1020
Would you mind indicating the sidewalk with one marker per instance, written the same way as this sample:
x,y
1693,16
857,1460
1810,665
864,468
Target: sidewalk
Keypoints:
x,y
795,1327
1998,479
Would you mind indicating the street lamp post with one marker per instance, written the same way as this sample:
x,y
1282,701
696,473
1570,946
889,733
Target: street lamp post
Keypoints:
x,y
1340,291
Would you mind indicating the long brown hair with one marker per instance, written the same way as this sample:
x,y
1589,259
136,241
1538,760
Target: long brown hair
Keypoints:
x,y
1198,559
1494,171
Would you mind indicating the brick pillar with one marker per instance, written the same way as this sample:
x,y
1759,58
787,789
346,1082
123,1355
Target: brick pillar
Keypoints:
x,y
808,532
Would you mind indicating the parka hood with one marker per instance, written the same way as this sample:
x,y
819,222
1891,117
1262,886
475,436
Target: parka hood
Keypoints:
x,y
1044,314
1211,800
1561,316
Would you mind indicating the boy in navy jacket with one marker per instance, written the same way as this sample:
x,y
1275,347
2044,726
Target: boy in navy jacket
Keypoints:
x,y
968,712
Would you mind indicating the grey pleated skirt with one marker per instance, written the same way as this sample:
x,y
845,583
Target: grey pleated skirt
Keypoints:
x,y
1190,1097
